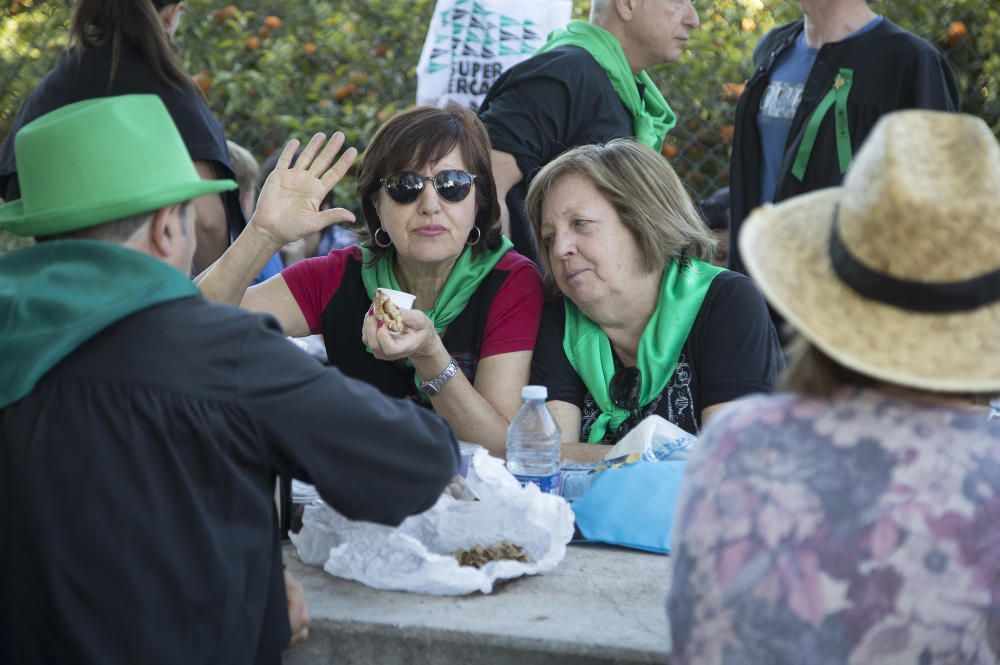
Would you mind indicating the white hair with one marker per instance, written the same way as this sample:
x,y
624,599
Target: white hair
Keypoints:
x,y
599,10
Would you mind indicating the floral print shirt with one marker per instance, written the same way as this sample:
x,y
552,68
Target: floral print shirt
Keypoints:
x,y
858,529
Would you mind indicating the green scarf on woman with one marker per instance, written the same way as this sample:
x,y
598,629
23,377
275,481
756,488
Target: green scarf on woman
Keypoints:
x,y
463,280
652,117
589,350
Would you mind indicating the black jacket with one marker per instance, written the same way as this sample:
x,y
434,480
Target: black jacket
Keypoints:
x,y
893,69
137,485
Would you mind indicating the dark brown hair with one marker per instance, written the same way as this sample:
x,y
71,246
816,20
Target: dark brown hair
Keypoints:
x,y
133,23
812,372
424,135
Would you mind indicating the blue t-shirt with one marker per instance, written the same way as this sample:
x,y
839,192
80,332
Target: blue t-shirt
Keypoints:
x,y
271,268
779,103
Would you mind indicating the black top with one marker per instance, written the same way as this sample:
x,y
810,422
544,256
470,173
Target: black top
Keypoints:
x,y
85,76
893,69
137,485
540,108
731,351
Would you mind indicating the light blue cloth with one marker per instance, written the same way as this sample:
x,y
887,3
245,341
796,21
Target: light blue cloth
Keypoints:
x,y
270,269
632,506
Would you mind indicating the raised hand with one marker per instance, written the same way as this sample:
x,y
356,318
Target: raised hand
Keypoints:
x,y
288,206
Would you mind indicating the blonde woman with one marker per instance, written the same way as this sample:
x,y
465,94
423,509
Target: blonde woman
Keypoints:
x,y
639,323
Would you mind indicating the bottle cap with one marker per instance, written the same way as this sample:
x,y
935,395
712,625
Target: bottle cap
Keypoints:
x,y
534,392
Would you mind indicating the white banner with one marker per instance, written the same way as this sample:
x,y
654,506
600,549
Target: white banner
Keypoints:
x,y
471,42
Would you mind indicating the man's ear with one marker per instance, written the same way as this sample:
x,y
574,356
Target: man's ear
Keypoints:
x,y
170,14
626,9
164,231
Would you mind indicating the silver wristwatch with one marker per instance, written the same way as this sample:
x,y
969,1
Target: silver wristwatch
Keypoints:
x,y
433,386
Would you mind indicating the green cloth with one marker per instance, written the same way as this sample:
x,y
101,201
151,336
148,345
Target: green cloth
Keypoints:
x,y
836,97
465,277
99,160
54,296
652,117
589,350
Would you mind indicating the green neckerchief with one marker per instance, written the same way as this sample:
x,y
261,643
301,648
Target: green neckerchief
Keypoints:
x,y
56,295
589,349
836,97
652,117
463,280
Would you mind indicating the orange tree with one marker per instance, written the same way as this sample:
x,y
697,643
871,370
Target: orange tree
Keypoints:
x,y
272,70
704,86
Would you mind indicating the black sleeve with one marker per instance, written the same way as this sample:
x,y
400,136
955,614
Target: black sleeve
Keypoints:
x,y
549,365
936,86
549,103
371,457
734,346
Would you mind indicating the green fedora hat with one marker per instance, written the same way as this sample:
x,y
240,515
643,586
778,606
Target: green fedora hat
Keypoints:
x,y
100,160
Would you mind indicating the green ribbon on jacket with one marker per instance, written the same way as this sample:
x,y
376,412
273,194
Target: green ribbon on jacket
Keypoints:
x,y
837,98
56,295
588,349
465,277
652,117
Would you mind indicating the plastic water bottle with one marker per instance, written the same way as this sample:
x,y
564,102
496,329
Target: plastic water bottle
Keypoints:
x,y
534,441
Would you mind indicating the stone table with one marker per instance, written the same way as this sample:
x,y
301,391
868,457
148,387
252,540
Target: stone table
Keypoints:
x,y
600,605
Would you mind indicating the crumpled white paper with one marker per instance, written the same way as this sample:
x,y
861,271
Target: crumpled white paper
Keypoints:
x,y
417,556
657,439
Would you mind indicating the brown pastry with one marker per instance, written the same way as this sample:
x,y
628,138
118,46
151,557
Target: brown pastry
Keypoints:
x,y
478,556
387,312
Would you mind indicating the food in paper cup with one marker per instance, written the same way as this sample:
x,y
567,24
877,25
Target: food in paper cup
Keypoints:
x,y
387,304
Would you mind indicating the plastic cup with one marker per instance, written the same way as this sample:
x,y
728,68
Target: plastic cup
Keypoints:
x,y
467,450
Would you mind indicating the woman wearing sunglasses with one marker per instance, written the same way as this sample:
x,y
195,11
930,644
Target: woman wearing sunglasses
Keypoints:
x,y
640,323
433,230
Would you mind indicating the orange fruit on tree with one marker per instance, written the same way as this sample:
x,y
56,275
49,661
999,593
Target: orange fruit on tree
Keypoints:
x,y
309,48
748,24
203,81
345,91
252,43
731,92
272,22
264,32
956,32
669,150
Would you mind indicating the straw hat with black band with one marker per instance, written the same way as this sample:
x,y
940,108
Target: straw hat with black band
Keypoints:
x,y
896,273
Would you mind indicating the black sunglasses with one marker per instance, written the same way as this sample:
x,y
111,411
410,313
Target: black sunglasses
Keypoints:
x,y
452,185
625,389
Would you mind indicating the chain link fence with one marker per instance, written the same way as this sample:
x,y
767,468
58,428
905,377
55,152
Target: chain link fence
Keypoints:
x,y
704,86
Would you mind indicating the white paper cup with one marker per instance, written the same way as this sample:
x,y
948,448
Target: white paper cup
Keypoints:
x,y
400,299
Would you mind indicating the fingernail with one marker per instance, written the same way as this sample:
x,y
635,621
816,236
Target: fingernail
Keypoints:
x,y
379,324
371,311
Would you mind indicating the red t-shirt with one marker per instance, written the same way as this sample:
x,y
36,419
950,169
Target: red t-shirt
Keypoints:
x,y
512,317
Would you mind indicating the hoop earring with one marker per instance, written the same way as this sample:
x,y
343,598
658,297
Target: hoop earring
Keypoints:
x,y
479,235
388,241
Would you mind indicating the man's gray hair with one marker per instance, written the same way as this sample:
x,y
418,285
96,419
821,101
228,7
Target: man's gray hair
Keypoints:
x,y
599,10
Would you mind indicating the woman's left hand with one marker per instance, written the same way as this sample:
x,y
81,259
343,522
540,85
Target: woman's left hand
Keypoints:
x,y
418,340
